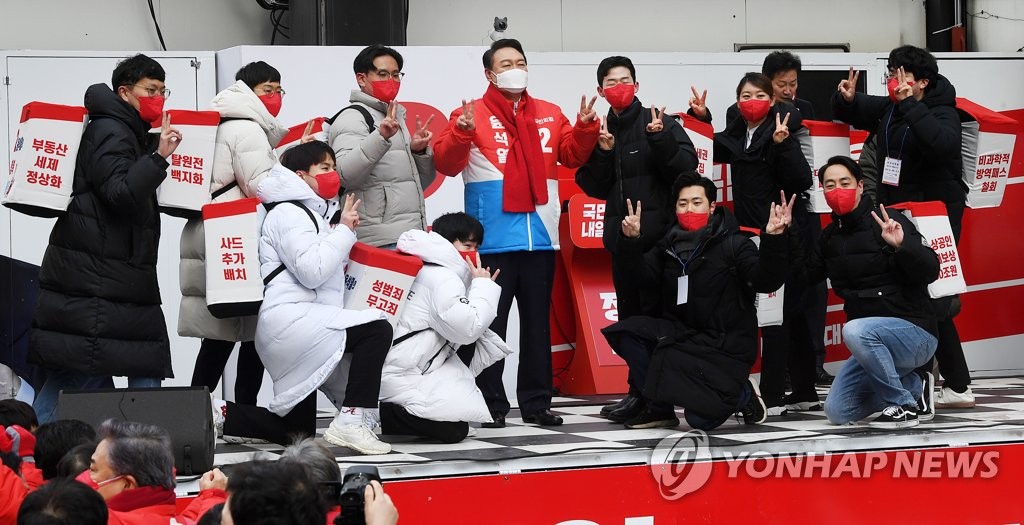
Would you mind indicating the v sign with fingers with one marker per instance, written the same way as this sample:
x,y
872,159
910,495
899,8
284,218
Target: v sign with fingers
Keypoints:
x,y
465,121
350,213
656,125
698,103
307,134
587,113
170,138
389,125
781,129
478,269
892,231
605,140
421,139
848,87
780,216
903,88
631,223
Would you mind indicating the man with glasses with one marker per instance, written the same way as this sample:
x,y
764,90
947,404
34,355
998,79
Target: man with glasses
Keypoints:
x,y
379,159
98,313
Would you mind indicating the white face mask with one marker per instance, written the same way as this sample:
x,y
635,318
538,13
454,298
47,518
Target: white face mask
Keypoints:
x,y
513,80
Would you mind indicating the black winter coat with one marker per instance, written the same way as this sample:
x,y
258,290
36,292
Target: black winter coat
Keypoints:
x,y
758,172
705,348
99,305
925,135
641,167
871,277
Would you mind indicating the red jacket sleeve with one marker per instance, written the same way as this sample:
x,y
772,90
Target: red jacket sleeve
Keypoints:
x,y
451,149
205,501
12,493
33,476
577,142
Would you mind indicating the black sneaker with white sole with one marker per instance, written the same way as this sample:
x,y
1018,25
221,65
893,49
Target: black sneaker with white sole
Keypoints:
x,y
896,417
654,417
926,403
755,412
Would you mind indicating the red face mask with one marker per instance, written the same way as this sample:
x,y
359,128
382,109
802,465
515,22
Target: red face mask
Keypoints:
x,y
386,90
328,184
692,221
754,109
891,86
85,478
273,102
473,255
620,96
841,200
151,109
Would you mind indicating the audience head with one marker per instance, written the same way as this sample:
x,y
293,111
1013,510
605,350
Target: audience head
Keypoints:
x,y
920,65
460,229
842,180
378,70
139,81
321,467
782,68
505,66
130,455
212,516
272,493
57,438
63,502
314,163
695,198
75,461
265,82
754,97
14,412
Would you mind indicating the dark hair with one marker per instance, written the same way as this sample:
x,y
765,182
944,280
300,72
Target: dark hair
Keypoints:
x,y
140,450
459,226
133,69
256,73
266,493
301,157
364,60
758,80
844,161
63,502
779,61
212,516
57,438
690,178
321,466
75,461
11,460
610,63
14,412
915,60
488,57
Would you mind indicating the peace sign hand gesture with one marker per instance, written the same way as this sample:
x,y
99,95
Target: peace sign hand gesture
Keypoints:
x,y
421,139
389,125
307,134
848,87
780,216
170,138
478,269
698,103
892,231
587,113
350,212
631,223
605,140
903,89
465,121
656,124
781,129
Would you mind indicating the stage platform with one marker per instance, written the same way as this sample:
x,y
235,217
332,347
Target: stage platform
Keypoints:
x,y
588,448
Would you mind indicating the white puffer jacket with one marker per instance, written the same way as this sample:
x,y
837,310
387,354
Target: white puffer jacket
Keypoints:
x,y
243,157
300,335
447,308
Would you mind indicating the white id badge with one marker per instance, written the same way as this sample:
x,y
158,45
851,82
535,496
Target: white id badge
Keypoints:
x,y
891,171
682,289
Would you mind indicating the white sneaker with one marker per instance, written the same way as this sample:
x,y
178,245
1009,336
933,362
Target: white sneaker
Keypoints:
x,y
948,398
473,432
356,437
217,408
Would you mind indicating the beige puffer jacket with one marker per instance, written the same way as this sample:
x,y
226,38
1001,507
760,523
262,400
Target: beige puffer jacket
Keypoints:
x,y
243,157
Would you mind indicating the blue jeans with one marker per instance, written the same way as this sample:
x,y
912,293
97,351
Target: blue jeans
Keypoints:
x,y
45,404
880,373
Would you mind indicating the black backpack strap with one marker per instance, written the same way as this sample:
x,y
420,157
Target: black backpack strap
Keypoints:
x,y
229,119
271,205
400,340
358,107
224,189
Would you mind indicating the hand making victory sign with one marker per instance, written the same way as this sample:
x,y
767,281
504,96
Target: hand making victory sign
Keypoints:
x,y
781,129
903,88
307,134
170,138
465,121
350,212
389,125
780,216
698,103
605,140
631,223
587,113
421,139
478,269
892,231
848,87
656,125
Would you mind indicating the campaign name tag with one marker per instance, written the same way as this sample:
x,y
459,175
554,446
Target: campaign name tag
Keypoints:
x,y
891,171
682,289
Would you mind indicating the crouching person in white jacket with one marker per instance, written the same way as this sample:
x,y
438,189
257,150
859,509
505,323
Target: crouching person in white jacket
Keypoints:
x,y
428,385
303,332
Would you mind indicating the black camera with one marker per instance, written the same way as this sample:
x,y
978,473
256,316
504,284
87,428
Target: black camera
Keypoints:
x,y
501,24
353,487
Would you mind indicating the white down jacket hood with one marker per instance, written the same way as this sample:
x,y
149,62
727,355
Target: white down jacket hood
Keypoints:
x,y
300,335
446,309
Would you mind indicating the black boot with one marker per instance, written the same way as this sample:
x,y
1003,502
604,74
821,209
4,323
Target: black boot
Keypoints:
x,y
627,411
631,395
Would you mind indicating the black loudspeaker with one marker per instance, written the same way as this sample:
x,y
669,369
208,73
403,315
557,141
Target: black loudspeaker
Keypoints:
x,y
347,22
184,412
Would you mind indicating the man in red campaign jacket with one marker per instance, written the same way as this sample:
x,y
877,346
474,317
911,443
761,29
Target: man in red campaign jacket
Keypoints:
x,y
507,145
